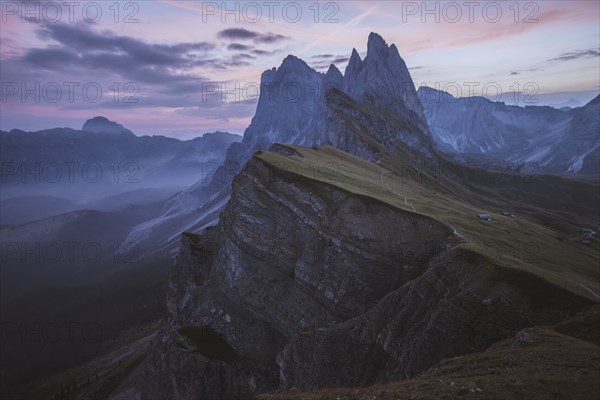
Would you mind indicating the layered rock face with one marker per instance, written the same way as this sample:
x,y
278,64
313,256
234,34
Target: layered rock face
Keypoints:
x,y
368,131
302,284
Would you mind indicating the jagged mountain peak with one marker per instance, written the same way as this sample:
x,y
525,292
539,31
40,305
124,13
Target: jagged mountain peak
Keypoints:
x,y
383,78
292,62
354,65
333,75
376,45
292,69
355,55
385,59
379,51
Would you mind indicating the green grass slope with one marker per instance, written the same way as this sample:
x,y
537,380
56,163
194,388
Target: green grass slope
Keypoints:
x,y
544,239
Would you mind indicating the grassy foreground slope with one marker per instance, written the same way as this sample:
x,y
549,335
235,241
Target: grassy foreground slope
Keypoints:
x,y
543,238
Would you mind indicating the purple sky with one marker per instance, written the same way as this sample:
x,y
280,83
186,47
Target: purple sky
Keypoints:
x,y
169,56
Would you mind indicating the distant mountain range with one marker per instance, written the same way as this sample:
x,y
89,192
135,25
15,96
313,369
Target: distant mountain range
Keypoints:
x,y
104,153
550,140
103,166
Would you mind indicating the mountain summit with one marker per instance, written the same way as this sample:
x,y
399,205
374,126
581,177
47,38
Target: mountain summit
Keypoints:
x,y
298,108
383,78
103,125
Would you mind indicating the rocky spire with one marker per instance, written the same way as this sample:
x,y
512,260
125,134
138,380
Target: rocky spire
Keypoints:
x,y
292,62
354,66
333,77
384,77
376,47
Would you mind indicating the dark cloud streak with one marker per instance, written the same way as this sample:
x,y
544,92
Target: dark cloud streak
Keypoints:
x,y
79,48
84,40
238,46
245,34
591,53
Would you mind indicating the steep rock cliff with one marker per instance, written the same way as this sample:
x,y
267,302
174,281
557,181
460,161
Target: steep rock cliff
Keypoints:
x,y
303,284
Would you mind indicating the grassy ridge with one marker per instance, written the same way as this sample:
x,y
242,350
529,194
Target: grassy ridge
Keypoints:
x,y
525,243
